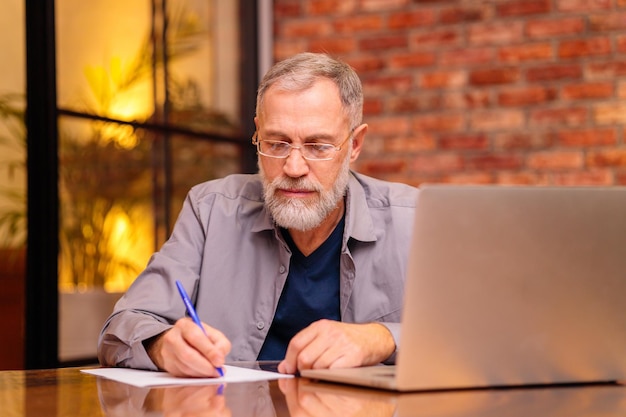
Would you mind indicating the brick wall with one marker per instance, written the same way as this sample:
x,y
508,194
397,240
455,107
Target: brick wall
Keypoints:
x,y
478,91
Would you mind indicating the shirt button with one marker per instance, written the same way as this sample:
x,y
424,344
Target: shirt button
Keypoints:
x,y
282,269
260,325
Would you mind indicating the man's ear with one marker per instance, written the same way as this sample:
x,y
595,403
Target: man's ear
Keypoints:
x,y
358,137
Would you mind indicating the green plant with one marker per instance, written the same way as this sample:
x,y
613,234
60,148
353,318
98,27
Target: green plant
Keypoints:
x,y
12,171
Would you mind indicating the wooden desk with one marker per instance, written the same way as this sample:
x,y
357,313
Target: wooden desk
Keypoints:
x,y
68,392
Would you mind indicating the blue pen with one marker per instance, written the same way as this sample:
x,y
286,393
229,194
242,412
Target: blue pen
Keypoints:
x,y
194,316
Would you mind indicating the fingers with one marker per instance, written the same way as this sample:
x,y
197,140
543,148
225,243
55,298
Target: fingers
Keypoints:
x,y
320,345
186,351
332,344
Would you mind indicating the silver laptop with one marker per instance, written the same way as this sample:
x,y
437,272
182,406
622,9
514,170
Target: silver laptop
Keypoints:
x,y
510,286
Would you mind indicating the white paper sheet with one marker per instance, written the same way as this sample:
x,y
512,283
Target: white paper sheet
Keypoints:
x,y
141,378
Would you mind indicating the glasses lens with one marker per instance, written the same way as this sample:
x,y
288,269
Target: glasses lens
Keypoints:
x,y
318,150
311,151
274,148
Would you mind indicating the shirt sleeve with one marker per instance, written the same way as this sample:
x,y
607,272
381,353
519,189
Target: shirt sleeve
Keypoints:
x,y
121,340
152,304
394,329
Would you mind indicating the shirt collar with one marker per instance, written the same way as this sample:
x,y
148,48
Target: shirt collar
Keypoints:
x,y
359,224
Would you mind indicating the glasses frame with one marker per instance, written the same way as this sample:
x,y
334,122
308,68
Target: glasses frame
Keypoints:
x,y
256,140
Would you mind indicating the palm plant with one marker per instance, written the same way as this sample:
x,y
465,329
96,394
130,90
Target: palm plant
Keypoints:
x,y
12,165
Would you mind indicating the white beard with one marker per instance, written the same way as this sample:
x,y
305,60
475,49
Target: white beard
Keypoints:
x,y
294,213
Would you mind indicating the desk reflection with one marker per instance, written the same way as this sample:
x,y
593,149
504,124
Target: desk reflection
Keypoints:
x,y
300,397
69,393
285,397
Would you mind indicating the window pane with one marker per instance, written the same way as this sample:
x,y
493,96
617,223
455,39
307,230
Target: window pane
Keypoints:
x,y
104,57
12,186
12,129
139,122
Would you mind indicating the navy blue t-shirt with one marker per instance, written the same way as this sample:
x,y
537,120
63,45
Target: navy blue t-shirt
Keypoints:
x,y
311,293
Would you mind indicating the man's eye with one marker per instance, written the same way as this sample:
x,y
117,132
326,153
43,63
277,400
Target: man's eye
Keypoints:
x,y
278,146
319,147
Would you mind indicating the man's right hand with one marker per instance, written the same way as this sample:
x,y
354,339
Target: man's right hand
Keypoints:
x,y
185,351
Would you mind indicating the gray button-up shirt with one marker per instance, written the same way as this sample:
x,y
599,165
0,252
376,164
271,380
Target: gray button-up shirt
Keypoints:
x,y
226,247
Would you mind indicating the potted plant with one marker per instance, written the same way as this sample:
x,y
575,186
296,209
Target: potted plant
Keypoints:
x,y
12,230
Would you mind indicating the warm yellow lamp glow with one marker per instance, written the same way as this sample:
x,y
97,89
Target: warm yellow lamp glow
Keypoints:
x,y
129,240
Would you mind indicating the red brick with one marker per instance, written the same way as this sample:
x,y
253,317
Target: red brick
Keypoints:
x,y
284,9
387,84
472,99
443,79
357,24
480,178
389,126
464,141
554,72
587,91
555,27
439,123
607,158
437,38
494,161
607,22
609,70
439,162
333,45
587,137
555,160
364,64
429,123
621,44
621,90
462,14
496,120
382,5
495,33
380,167
570,116
466,56
384,43
582,5
620,176
584,47
372,106
325,7
305,29
411,20
594,177
413,103
609,113
526,52
285,49
525,96
416,143
521,140
522,178
412,60
523,7
493,76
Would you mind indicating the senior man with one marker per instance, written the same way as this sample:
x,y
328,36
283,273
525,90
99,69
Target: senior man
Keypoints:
x,y
302,263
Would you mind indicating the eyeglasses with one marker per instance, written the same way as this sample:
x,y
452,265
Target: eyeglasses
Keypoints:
x,y
313,151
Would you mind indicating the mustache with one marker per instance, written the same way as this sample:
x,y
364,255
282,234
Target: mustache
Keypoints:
x,y
295,184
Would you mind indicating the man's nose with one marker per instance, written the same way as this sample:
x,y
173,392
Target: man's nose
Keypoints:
x,y
295,164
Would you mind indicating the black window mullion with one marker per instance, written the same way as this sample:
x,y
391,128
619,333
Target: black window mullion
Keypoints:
x,y
41,315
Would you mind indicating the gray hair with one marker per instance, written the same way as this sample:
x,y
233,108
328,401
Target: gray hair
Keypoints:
x,y
300,72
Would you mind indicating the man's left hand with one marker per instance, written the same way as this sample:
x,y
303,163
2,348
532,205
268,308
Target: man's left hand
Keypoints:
x,y
333,344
